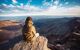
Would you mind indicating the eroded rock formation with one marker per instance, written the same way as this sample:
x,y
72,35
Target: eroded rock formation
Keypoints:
x,y
39,44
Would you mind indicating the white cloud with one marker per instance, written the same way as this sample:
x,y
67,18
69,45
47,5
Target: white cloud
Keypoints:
x,y
46,4
21,5
14,1
11,6
60,5
16,11
4,4
56,2
32,8
29,2
67,3
73,11
52,11
51,0
21,9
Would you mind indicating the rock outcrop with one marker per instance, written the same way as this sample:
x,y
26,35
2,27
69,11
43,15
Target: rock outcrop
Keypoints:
x,y
39,44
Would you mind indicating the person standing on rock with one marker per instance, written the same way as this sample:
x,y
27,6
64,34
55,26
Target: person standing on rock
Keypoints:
x,y
29,31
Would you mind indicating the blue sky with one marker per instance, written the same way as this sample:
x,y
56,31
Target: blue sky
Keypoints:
x,y
63,7
40,2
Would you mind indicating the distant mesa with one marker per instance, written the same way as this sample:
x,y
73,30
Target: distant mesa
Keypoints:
x,y
5,23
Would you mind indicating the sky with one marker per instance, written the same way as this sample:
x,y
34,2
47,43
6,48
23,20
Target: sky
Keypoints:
x,y
40,7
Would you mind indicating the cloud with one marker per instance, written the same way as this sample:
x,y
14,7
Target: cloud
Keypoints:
x,y
29,2
46,4
67,3
11,6
4,4
56,2
53,10
19,9
33,8
70,11
14,1
51,0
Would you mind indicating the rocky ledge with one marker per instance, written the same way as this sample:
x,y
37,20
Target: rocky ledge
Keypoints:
x,y
39,44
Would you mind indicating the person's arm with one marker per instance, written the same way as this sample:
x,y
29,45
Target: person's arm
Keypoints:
x,y
33,30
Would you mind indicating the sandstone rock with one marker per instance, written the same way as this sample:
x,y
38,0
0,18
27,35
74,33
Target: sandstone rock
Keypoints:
x,y
39,44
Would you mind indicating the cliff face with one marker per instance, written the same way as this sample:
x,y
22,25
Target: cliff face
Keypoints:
x,y
39,44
